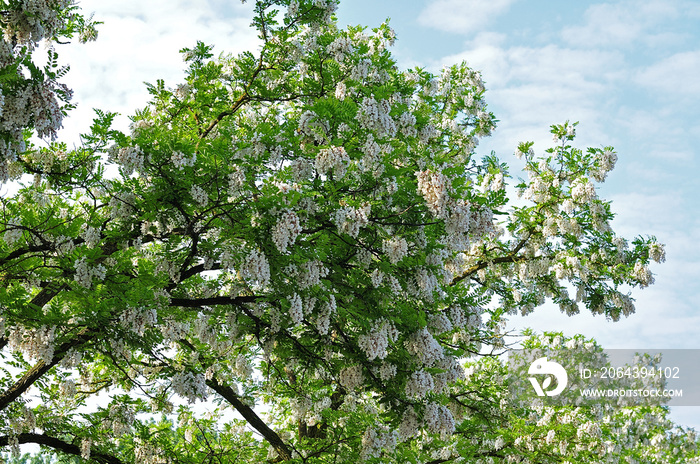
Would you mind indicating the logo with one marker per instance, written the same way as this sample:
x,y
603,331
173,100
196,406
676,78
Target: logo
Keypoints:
x,y
549,368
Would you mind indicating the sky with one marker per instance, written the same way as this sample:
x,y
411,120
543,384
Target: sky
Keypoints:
x,y
627,70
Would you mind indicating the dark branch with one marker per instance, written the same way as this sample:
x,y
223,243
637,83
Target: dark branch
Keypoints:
x,y
40,368
212,301
60,445
253,419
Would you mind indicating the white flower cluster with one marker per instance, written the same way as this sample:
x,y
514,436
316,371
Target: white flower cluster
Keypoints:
x,y
439,419
256,268
84,274
37,343
423,345
439,323
169,268
622,301
451,372
361,70
351,377
296,310
121,418
482,222
67,389
427,133
180,160
311,273
377,277
386,371
121,205
582,191
12,231
302,169
275,319
243,368
311,125
146,453
433,187
333,158
340,48
407,123
426,283
131,159
323,318
137,320
657,252
642,274
182,92
588,428
461,320
605,162
419,384
395,248
492,182
374,116
189,385
35,104
236,181
85,446
340,90
199,195
36,20
374,441
350,220
410,425
372,161
286,230
375,343
91,236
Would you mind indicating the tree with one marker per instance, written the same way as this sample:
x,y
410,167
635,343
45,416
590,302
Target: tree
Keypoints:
x,y
306,240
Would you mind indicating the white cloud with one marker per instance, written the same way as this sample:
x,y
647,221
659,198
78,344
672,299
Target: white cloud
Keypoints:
x,y
675,77
139,42
462,16
530,88
629,22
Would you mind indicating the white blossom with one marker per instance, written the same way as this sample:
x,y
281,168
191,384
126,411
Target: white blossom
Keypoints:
x,y
422,344
256,267
351,377
433,187
350,220
419,384
333,158
286,230
396,249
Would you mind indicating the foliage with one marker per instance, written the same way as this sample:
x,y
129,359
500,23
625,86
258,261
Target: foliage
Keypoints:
x,y
306,242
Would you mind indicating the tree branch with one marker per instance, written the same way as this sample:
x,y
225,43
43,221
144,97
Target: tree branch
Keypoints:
x,y
55,443
46,295
253,419
510,258
242,100
40,368
212,301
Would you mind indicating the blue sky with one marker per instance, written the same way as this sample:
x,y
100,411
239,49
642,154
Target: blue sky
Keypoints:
x,y
628,70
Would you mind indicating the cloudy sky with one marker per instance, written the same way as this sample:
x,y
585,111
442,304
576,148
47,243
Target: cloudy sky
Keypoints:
x,y
628,70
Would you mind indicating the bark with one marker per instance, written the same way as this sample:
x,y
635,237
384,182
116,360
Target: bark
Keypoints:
x,y
40,368
60,445
253,419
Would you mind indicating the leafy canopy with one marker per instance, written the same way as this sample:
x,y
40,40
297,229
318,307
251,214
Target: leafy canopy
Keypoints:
x,y
305,241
